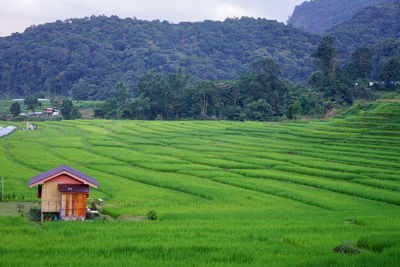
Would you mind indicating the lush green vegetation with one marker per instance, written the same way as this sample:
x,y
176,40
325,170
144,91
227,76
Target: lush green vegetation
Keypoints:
x,y
86,57
6,104
256,95
260,94
382,53
227,193
319,16
369,26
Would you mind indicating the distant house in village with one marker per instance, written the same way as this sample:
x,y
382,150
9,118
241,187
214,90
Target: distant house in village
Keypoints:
x,y
39,99
34,114
51,112
46,112
63,191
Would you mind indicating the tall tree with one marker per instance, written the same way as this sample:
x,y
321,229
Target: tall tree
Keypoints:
x,y
390,73
267,67
325,55
205,90
66,108
116,107
80,90
362,62
31,103
75,114
121,93
152,86
175,84
15,109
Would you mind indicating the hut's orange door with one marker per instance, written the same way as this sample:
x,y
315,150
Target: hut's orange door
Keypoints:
x,y
73,205
79,205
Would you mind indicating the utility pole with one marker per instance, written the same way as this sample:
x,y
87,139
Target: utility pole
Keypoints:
x,y
2,188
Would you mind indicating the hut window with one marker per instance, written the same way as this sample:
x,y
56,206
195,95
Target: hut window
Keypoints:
x,y
40,191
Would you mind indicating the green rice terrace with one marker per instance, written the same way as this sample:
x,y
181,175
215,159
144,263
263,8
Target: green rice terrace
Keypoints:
x,y
305,193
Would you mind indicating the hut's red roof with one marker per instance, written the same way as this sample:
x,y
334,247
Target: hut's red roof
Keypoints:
x,y
73,188
60,169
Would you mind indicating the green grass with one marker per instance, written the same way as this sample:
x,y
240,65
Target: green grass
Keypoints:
x,y
227,193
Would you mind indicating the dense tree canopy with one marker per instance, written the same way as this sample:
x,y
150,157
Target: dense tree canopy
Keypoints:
x,y
368,27
325,55
320,15
32,103
362,62
84,58
15,109
259,94
339,85
390,73
69,111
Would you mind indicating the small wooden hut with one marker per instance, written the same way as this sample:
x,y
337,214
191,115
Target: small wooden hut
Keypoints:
x,y
63,191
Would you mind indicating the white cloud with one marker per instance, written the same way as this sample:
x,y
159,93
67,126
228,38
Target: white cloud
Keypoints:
x,y
16,15
223,10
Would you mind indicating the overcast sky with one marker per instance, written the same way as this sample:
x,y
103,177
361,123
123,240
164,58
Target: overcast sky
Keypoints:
x,y
16,15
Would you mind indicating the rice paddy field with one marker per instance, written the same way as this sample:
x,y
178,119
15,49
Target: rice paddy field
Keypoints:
x,y
227,193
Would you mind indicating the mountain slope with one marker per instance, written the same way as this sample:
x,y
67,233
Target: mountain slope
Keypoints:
x,y
97,52
382,52
317,16
370,26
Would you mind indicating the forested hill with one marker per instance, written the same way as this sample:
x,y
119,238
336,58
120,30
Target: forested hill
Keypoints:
x,y
318,16
99,51
370,26
382,53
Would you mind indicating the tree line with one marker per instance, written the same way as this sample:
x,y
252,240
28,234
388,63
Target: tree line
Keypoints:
x,y
66,106
258,94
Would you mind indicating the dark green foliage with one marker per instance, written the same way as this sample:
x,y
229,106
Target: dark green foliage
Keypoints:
x,y
362,62
320,15
259,110
80,90
75,114
66,108
325,54
268,68
152,215
347,248
118,106
336,84
378,243
256,95
91,216
204,93
309,102
315,79
15,109
382,53
34,214
291,111
151,94
86,57
32,103
390,73
369,26
68,111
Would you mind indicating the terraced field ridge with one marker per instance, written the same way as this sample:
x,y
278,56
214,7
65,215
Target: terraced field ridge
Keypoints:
x,y
227,193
